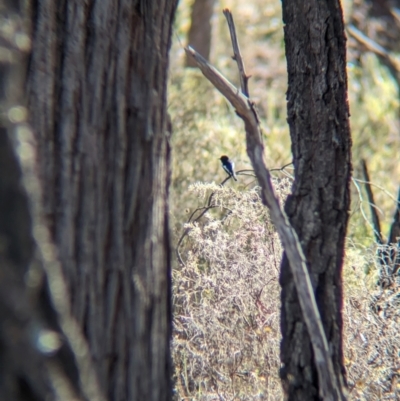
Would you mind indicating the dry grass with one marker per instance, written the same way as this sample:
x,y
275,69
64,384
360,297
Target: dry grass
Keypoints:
x,y
226,302
371,335
227,306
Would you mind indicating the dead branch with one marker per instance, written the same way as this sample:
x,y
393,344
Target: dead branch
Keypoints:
x,y
329,388
388,252
367,42
244,79
191,219
374,215
391,61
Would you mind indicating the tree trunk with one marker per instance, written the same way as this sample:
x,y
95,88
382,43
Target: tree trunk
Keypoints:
x,y
318,116
43,355
97,100
200,29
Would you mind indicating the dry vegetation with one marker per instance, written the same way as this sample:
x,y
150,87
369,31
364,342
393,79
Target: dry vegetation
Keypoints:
x,y
226,300
227,297
227,306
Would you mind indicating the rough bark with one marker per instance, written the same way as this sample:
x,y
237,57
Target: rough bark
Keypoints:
x,y
38,339
318,117
199,36
97,97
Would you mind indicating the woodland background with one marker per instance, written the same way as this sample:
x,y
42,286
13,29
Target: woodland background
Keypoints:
x,y
229,284
94,222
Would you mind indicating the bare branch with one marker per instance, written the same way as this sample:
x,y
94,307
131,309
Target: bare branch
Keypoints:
x,y
191,219
367,42
374,215
392,62
394,235
238,100
244,84
386,192
283,170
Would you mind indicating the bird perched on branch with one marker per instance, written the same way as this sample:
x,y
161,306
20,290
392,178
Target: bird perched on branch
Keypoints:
x,y
228,166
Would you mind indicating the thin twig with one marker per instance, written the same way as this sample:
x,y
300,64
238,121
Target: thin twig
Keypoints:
x,y
392,62
367,42
361,200
244,79
283,170
248,173
374,215
204,209
385,191
187,229
328,383
395,226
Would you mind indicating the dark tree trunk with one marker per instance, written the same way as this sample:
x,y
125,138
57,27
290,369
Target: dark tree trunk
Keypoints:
x,y
200,29
318,116
97,99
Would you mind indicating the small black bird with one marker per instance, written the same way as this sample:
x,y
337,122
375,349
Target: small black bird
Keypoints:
x,y
228,166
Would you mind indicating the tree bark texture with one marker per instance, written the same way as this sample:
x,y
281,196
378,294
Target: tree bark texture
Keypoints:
x,y
318,117
97,99
38,338
200,29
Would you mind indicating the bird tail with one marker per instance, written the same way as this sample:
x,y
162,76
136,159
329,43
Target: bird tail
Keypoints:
x,y
234,176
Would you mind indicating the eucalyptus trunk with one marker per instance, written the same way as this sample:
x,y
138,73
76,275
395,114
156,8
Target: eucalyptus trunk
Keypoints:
x,y
97,93
318,208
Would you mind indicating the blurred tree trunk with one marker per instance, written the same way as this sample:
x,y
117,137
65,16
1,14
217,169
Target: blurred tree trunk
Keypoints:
x,y
318,116
97,99
200,29
43,355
